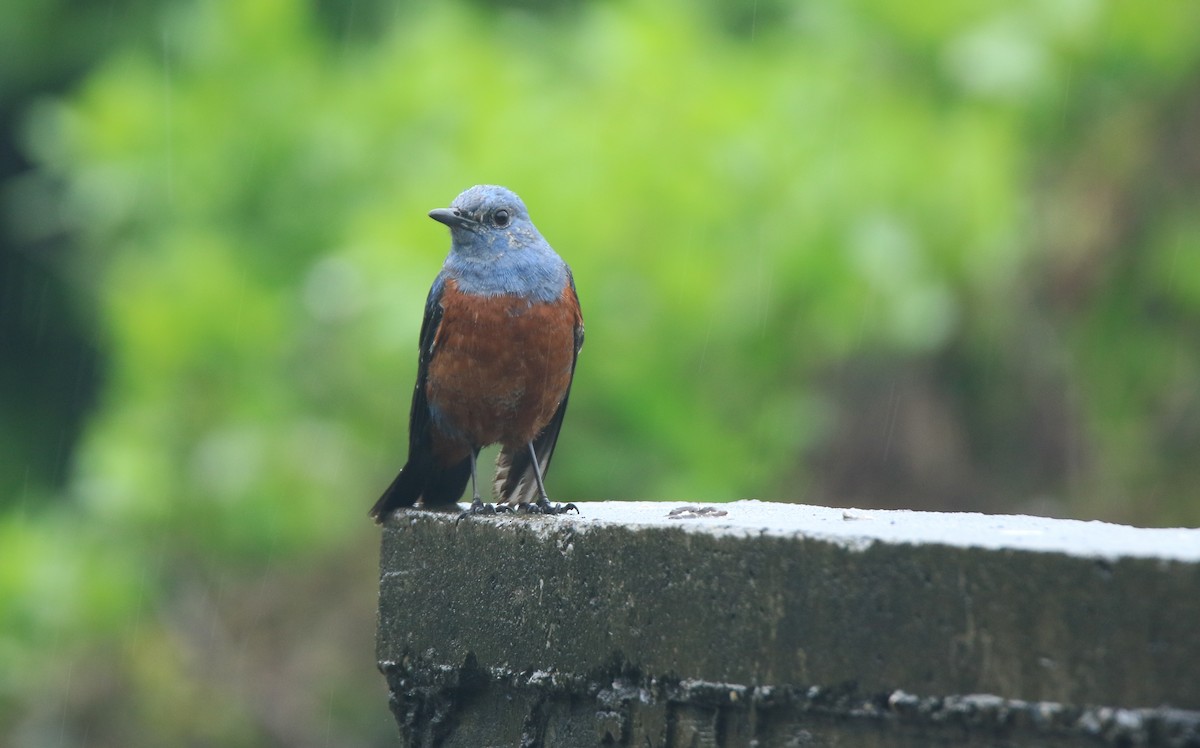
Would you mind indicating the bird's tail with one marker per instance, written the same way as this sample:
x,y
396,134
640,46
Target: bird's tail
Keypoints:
x,y
514,482
435,486
403,491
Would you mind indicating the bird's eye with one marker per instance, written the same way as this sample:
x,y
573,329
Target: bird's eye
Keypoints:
x,y
501,218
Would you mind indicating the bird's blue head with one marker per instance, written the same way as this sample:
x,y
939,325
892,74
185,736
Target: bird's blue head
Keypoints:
x,y
495,248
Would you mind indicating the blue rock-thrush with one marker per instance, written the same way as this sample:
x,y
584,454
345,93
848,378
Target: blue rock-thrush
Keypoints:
x,y
498,345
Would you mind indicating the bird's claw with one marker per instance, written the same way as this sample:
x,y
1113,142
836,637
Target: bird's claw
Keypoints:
x,y
542,506
477,508
522,508
545,507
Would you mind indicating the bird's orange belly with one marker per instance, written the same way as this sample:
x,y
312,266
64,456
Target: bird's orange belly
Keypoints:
x,y
500,368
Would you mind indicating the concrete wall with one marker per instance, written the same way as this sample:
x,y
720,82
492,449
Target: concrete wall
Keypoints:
x,y
771,624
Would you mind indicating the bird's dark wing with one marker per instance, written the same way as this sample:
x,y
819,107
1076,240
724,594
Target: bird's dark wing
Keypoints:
x,y
420,472
418,415
515,481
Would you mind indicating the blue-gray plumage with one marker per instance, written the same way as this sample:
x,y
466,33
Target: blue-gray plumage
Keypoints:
x,y
498,346
487,259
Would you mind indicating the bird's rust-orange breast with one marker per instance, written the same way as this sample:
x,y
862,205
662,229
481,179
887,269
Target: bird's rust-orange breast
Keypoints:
x,y
500,368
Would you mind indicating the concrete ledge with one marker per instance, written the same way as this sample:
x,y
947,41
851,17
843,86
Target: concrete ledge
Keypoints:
x,y
774,624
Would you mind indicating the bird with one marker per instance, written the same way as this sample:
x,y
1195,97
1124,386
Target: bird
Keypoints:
x,y
499,340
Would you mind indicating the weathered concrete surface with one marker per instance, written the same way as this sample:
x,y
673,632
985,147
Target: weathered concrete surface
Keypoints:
x,y
779,624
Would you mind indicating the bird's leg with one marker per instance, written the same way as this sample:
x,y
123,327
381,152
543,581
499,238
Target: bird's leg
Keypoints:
x,y
543,503
477,505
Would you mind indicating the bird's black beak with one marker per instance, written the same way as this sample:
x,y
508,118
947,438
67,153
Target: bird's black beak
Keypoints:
x,y
453,218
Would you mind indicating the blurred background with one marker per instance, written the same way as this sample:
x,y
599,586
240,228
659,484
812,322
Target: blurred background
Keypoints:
x,y
865,253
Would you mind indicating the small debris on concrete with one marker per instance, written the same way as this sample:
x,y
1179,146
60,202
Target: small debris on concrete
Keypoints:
x,y
695,512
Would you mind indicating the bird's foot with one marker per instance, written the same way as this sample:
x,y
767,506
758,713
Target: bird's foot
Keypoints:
x,y
477,507
524,507
543,506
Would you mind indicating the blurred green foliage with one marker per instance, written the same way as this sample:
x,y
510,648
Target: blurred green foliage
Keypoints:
x,y
860,253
